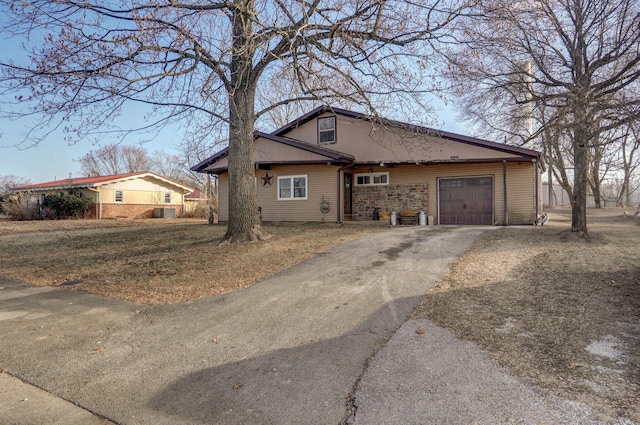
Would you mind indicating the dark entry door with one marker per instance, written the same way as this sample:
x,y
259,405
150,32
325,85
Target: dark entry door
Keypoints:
x,y
466,200
348,196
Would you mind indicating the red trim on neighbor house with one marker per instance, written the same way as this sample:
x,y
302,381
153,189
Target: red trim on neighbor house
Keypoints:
x,y
96,181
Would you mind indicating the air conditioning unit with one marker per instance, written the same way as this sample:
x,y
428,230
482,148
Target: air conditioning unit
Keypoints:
x,y
164,213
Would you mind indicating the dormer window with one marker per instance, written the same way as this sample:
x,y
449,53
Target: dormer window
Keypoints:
x,y
326,130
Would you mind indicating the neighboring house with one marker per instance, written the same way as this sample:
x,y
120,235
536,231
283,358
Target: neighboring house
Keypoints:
x,y
193,200
130,195
334,164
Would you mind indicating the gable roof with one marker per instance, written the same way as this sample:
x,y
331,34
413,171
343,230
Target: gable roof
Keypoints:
x,y
406,126
98,181
196,195
328,154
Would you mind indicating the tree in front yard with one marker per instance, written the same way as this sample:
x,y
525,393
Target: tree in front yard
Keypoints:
x,y
568,70
207,65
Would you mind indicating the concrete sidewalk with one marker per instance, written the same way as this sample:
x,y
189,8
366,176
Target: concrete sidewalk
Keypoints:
x,y
24,404
292,349
424,375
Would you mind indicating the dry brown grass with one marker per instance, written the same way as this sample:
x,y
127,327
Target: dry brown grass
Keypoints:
x,y
562,311
155,261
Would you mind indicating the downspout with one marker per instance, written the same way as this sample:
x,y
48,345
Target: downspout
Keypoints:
x,y
99,201
536,181
504,183
341,169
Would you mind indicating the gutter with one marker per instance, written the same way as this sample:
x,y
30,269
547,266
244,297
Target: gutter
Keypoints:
x,y
504,183
536,182
344,167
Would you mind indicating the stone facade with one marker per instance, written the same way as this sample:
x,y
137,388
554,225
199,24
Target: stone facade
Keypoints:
x,y
393,197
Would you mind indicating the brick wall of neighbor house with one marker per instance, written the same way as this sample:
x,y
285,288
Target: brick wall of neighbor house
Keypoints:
x,y
394,197
135,210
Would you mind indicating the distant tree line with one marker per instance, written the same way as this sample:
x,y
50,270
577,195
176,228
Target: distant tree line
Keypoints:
x,y
114,158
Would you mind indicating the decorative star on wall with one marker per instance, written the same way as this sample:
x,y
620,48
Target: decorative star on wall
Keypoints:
x,y
267,179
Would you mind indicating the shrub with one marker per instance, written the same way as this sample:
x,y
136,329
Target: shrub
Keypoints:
x,y
201,210
17,208
66,205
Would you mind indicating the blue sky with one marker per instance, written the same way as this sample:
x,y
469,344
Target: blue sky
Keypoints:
x,y
54,158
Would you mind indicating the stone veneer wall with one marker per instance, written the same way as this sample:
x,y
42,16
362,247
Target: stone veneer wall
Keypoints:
x,y
393,197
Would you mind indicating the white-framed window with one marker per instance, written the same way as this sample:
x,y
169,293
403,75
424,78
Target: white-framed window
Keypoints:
x,y
326,130
372,179
167,197
292,188
118,195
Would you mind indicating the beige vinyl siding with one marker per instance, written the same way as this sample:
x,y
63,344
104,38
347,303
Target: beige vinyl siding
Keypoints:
x,y
267,151
223,197
521,192
321,180
374,143
520,185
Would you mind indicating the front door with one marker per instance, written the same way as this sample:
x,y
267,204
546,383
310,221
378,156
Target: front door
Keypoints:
x,y
348,183
466,200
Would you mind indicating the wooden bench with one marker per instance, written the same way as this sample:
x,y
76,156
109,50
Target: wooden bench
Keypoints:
x,y
408,220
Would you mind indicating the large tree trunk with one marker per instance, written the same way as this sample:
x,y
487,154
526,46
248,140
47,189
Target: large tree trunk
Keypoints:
x,y
581,166
244,222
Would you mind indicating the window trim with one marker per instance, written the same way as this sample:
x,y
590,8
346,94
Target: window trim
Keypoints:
x,y
334,130
115,196
371,178
292,197
167,194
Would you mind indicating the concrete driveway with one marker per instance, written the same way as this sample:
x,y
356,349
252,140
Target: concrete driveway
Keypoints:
x,y
288,350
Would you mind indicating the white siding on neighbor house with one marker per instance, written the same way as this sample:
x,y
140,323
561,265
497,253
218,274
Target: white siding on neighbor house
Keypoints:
x,y
141,191
321,181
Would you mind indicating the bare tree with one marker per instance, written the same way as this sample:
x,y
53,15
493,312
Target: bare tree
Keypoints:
x,y
629,163
115,159
582,66
200,64
9,181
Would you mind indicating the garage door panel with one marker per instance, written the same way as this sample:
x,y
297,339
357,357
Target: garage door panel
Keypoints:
x,y
466,200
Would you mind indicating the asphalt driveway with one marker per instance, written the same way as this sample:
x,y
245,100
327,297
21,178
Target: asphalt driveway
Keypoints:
x,y
288,350
292,349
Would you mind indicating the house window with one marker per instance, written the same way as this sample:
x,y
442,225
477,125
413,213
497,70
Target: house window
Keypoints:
x,y
167,197
372,179
292,188
326,130
119,195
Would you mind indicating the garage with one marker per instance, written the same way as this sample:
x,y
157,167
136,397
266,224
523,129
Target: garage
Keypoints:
x,y
466,200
